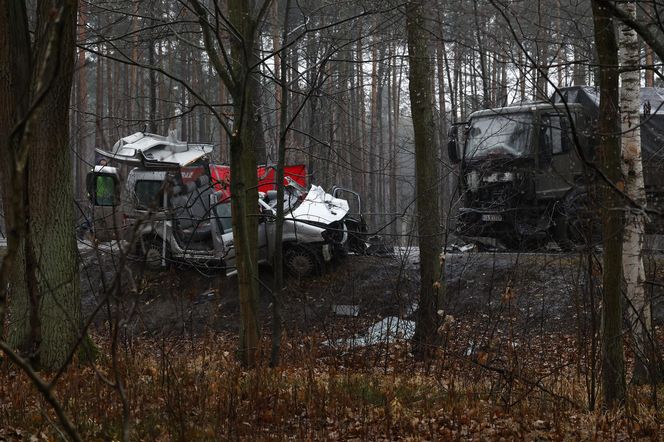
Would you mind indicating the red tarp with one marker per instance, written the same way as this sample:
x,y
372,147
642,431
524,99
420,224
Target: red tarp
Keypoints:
x,y
221,176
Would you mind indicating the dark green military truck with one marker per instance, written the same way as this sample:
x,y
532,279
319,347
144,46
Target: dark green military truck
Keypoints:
x,y
525,171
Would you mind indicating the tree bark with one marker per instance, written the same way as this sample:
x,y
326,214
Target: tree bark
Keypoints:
x,y
15,70
50,266
445,195
638,308
426,170
373,131
613,365
277,263
152,78
51,191
579,69
83,159
99,101
241,78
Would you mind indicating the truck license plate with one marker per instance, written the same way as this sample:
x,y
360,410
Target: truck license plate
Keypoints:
x,y
492,217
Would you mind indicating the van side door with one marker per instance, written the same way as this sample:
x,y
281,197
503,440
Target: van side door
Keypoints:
x,y
222,229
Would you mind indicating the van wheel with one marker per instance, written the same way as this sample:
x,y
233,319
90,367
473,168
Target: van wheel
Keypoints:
x,y
151,252
301,261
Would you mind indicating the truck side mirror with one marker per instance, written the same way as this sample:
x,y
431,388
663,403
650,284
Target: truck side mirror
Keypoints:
x,y
452,145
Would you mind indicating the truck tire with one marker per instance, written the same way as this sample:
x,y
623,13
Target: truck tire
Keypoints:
x,y
301,261
577,222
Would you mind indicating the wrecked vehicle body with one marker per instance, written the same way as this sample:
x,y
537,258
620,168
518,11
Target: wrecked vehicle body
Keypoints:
x,y
522,179
175,205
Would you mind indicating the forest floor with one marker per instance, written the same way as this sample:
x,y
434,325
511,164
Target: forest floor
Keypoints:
x,y
517,358
547,291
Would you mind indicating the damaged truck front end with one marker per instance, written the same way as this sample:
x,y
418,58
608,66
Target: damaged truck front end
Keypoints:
x,y
515,167
499,204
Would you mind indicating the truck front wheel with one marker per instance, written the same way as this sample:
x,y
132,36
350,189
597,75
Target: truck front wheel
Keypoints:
x,y
577,223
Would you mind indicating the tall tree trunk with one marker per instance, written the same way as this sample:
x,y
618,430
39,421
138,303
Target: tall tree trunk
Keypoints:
x,y
15,70
99,101
613,365
503,84
246,137
445,195
133,70
110,88
650,57
362,136
633,272
277,263
391,135
244,181
51,267
373,129
522,77
168,87
396,99
224,148
51,193
82,160
426,170
152,78
481,53
579,71
650,66
185,74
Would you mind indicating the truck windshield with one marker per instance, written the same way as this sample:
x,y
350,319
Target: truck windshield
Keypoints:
x,y
500,135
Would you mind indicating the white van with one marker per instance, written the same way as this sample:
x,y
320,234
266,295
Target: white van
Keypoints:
x,y
164,211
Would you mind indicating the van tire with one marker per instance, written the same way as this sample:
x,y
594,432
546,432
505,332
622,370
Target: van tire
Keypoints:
x,y
301,261
150,251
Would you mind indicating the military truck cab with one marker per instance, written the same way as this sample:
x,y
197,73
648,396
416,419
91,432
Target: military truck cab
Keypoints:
x,y
523,178
517,164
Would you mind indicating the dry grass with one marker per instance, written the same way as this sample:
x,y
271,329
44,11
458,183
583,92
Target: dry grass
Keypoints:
x,y
194,390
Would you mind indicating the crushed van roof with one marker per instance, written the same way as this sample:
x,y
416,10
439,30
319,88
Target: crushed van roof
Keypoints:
x,y
151,149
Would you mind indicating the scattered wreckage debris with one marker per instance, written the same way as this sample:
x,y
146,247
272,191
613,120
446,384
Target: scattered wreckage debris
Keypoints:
x,y
386,331
376,246
346,309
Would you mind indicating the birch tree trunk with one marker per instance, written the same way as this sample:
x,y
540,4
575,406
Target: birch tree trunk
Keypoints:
x,y
638,309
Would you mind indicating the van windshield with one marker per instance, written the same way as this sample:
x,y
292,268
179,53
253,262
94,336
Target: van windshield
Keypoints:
x,y
499,135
